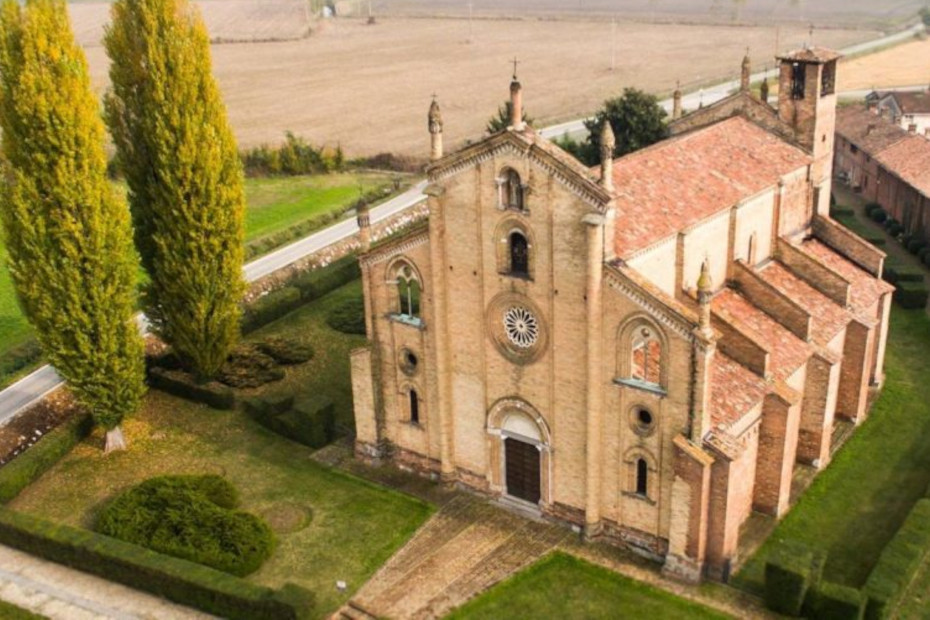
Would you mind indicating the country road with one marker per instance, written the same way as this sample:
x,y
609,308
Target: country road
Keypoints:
x,y
35,386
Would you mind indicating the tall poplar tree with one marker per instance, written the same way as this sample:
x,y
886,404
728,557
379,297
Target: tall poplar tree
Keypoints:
x,y
67,233
180,159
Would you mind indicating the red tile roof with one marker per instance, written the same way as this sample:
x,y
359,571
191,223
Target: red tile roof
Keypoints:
x,y
912,102
866,288
867,130
909,159
734,391
786,351
667,187
828,318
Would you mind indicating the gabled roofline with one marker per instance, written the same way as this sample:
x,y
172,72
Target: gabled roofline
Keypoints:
x,y
562,165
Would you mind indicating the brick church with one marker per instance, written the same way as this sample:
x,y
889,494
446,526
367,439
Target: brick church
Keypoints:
x,y
645,349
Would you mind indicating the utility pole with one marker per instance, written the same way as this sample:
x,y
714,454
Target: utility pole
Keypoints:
x,y
613,44
470,31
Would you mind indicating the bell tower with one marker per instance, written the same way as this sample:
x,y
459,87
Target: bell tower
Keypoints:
x,y
807,103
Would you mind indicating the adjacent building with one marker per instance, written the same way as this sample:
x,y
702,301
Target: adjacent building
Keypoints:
x,y
887,165
646,349
908,110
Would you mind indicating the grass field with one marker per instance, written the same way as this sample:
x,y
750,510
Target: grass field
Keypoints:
x,y
273,205
12,612
858,503
280,202
562,586
355,525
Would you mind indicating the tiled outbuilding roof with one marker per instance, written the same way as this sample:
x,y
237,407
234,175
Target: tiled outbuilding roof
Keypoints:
x,y
868,131
912,102
909,160
664,189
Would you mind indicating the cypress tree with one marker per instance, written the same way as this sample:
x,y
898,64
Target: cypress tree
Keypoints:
x,y
180,159
67,233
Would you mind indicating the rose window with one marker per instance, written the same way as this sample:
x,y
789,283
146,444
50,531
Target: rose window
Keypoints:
x,y
521,327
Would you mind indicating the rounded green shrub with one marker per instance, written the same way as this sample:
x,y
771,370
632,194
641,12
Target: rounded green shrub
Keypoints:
x,y
878,215
190,517
348,317
923,253
872,207
916,245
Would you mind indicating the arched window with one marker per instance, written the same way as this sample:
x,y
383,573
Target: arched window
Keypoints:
x,y
642,477
414,407
408,292
511,196
519,255
646,364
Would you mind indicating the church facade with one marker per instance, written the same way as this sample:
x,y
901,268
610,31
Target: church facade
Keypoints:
x,y
645,349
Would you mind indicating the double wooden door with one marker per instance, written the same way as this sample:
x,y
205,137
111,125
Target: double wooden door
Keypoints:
x,y
522,469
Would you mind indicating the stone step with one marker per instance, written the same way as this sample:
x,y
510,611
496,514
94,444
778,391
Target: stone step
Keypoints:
x,y
520,550
443,566
445,525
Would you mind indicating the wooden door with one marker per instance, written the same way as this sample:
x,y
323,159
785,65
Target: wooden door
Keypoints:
x,y
522,468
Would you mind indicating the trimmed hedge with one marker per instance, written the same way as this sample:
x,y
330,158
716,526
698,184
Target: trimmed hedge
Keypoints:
x,y
831,601
270,307
916,245
898,562
348,317
923,253
177,580
310,420
318,282
190,517
878,215
182,385
300,290
37,459
871,207
791,570
911,295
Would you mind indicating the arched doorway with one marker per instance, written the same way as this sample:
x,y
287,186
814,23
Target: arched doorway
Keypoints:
x,y
522,458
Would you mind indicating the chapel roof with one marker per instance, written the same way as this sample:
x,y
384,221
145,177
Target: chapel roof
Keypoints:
x,y
866,289
734,391
827,317
665,188
811,54
786,351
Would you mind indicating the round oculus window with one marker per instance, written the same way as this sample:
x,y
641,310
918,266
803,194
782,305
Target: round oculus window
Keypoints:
x,y
521,327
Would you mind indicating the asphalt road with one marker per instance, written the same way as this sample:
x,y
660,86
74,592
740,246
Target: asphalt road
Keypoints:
x,y
35,386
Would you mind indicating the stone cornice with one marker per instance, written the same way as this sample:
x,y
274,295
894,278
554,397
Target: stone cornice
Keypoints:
x,y
395,248
652,304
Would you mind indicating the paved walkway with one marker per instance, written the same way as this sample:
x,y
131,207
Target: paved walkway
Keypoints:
x,y
59,592
467,547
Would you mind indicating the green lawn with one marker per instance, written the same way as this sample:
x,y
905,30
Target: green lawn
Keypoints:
x,y
355,525
562,586
280,202
273,205
856,505
12,612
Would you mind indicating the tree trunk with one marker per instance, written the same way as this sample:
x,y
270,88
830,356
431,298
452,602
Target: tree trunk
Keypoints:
x,y
115,440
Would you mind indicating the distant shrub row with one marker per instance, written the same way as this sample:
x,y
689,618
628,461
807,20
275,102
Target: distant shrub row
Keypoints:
x,y
19,357
296,156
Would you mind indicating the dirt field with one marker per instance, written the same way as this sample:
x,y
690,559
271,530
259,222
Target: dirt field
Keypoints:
x,y
368,87
859,13
904,65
